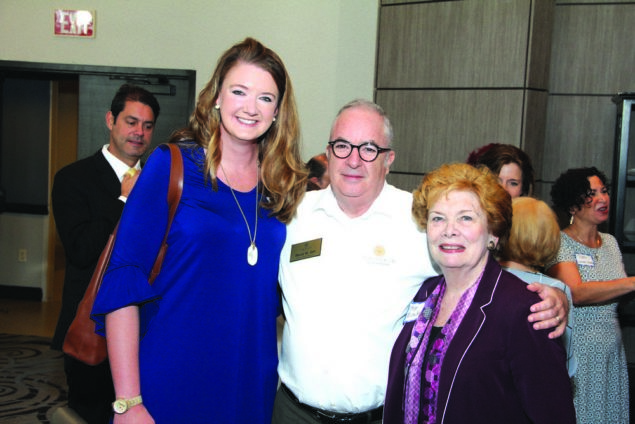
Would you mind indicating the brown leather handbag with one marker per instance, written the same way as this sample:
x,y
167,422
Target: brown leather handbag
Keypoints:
x,y
81,341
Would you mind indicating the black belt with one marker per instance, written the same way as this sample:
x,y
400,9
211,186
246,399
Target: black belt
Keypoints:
x,y
329,417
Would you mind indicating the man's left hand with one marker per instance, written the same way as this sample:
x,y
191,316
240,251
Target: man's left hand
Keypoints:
x,y
552,311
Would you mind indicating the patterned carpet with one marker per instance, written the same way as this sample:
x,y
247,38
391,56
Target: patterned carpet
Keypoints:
x,y
32,380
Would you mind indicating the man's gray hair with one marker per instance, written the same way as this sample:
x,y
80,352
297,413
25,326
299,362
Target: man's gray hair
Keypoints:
x,y
367,104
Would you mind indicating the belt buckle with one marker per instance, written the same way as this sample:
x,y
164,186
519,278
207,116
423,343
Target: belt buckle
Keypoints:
x,y
322,416
334,418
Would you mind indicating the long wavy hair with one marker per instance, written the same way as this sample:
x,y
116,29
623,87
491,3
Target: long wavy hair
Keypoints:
x,y
283,175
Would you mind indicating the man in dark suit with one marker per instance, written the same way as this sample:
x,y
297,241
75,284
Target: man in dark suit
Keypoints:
x,y
88,198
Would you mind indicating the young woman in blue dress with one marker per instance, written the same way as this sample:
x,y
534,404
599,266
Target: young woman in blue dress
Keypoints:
x,y
199,345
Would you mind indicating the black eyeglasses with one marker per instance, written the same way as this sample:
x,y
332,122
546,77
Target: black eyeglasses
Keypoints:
x,y
368,151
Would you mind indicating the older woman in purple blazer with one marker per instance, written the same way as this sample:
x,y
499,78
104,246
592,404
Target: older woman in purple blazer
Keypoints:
x,y
467,352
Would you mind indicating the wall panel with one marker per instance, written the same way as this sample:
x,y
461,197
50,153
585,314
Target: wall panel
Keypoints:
x,y
384,2
453,44
540,38
592,49
578,2
539,74
438,126
580,132
407,182
532,139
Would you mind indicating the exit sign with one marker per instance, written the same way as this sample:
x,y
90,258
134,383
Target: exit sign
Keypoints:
x,y
76,23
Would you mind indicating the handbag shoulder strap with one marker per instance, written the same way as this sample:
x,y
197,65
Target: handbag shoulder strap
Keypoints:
x,y
175,190
176,184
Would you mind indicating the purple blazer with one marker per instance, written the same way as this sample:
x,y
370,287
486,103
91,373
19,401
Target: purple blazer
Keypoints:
x,y
497,369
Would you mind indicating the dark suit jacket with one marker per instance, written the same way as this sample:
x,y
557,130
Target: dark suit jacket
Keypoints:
x,y
497,369
86,210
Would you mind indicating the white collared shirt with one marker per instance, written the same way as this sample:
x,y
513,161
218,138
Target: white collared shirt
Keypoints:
x,y
345,307
117,164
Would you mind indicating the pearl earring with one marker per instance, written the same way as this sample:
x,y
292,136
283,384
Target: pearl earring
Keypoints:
x,y
217,106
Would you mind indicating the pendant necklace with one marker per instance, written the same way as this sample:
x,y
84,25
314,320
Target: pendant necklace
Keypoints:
x,y
252,250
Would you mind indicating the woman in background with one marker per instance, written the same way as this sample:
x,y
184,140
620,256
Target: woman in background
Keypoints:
x,y
534,241
590,263
467,353
199,345
511,165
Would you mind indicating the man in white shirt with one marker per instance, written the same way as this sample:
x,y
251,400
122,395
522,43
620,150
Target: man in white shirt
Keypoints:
x,y
88,197
352,262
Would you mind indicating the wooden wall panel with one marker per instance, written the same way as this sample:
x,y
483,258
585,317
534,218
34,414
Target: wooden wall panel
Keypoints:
x,y
580,132
539,51
592,49
384,2
453,44
529,134
577,2
438,126
407,182
532,139
542,190
556,65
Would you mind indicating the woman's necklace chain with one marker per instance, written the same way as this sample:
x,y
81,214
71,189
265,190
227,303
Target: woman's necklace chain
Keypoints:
x,y
252,250
598,241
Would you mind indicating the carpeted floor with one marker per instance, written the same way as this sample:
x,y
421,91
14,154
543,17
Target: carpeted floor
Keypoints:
x,y
32,380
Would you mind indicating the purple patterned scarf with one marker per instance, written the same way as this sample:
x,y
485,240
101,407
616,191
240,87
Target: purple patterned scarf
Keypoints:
x,y
421,395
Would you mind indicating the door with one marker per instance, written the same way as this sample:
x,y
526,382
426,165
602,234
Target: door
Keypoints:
x,y
76,99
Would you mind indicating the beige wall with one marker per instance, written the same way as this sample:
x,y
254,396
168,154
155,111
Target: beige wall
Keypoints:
x,y
328,46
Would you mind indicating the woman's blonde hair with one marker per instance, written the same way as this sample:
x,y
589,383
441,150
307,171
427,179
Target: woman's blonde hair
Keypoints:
x,y
534,239
283,174
493,199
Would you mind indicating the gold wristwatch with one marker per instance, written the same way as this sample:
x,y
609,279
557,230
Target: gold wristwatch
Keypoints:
x,y
120,406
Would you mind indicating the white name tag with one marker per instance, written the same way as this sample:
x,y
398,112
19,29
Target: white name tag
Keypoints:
x,y
584,260
414,309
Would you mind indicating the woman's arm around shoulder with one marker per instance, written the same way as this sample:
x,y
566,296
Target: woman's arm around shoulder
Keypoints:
x,y
552,311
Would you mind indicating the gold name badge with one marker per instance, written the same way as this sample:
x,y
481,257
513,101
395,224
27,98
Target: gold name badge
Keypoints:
x,y
305,250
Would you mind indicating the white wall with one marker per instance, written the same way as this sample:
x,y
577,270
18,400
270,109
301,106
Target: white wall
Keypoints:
x,y
28,233
328,46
